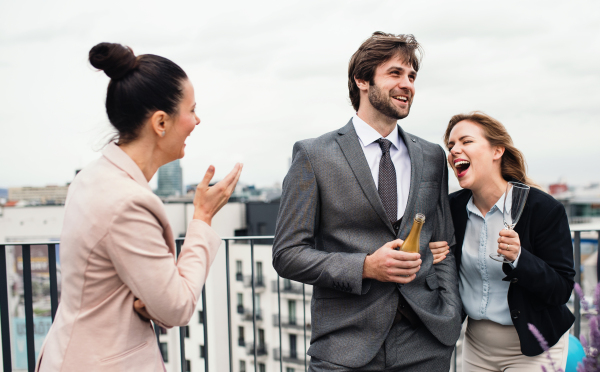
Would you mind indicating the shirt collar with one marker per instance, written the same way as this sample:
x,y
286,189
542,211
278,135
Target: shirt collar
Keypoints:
x,y
120,159
499,205
368,135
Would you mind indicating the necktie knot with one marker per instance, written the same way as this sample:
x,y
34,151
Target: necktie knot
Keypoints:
x,y
384,144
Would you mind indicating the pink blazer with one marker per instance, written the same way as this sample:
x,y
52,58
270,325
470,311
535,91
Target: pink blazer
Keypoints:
x,y
116,245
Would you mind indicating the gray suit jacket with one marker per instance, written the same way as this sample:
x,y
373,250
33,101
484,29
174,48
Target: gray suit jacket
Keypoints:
x,y
331,217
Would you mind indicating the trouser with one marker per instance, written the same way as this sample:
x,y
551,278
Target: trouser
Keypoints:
x,y
491,346
406,349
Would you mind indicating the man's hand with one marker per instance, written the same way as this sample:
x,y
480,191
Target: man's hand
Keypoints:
x,y
440,251
140,308
390,265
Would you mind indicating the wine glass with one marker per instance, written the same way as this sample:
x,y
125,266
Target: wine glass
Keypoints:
x,y
514,202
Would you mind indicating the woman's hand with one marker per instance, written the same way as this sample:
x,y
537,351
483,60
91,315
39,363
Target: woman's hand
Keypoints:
x,y
509,244
440,251
209,200
140,308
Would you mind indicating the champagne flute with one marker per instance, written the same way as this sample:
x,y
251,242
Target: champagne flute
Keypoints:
x,y
514,202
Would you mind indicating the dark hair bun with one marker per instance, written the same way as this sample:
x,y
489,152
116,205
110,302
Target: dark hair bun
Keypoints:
x,y
115,60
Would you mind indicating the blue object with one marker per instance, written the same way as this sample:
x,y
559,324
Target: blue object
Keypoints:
x,y
576,354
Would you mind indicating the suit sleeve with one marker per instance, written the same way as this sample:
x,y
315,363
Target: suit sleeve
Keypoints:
x,y
136,246
446,269
294,248
549,272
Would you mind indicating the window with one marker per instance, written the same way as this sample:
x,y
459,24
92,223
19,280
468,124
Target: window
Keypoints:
x,y
240,303
257,303
239,276
242,366
186,331
287,284
259,273
261,338
162,331
202,351
262,367
288,369
164,351
293,352
200,317
292,311
241,340
188,366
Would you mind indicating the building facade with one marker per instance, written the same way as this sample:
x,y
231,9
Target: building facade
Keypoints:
x,y
170,180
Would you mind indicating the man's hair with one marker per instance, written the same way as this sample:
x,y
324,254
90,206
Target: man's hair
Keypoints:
x,y
378,49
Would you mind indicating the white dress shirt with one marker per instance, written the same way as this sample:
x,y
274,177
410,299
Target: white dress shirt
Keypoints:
x,y
398,152
482,290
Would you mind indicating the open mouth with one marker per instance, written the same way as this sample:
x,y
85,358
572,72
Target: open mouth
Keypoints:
x,y
461,167
402,99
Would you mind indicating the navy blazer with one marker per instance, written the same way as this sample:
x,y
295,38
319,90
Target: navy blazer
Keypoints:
x,y
543,280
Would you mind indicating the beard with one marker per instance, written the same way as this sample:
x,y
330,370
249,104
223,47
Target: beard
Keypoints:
x,y
383,103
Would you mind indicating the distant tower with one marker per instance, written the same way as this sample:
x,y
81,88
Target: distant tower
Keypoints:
x,y
170,180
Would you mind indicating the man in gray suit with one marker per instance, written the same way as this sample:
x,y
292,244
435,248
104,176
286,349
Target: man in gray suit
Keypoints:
x,y
348,200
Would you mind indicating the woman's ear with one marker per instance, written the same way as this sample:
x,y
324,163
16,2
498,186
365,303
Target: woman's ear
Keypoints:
x,y
157,121
498,152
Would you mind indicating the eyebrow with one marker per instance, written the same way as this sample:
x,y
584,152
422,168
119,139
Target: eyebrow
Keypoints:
x,y
411,71
460,139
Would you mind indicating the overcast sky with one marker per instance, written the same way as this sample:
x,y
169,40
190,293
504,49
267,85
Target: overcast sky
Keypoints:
x,y
269,73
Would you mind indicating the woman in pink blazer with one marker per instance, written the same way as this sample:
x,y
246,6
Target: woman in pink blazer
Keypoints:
x,y
117,245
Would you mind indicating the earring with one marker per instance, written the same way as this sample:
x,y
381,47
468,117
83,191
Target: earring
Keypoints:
x,y
162,134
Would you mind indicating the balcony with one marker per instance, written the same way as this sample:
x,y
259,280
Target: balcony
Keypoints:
x,y
290,287
261,349
288,356
259,282
247,316
292,323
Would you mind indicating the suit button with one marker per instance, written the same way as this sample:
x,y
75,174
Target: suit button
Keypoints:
x,y
514,280
515,314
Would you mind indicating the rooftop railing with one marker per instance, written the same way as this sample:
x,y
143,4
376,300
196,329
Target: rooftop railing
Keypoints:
x,y
254,314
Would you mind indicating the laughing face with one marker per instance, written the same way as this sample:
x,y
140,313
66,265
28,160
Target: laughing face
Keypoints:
x,y
471,156
393,87
183,123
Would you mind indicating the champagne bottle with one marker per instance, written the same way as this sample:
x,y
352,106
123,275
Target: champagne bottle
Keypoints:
x,y
411,244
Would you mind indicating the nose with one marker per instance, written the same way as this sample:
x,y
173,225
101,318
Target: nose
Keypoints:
x,y
406,83
455,150
197,119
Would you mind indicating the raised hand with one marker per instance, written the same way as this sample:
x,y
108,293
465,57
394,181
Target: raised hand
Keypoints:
x,y
210,199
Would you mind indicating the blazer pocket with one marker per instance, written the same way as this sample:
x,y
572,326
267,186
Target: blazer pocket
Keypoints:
x,y
125,353
432,281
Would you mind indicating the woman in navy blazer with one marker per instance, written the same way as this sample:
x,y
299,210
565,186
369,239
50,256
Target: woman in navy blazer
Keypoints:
x,y
539,280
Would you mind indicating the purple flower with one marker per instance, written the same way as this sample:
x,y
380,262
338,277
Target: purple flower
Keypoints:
x,y
541,340
582,299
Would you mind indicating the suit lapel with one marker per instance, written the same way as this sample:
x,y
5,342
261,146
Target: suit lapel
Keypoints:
x,y
350,145
416,169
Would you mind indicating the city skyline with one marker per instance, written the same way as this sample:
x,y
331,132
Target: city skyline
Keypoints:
x,y
268,74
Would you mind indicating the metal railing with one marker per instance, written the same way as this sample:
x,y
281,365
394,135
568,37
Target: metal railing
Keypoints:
x,y
256,350
253,314
577,257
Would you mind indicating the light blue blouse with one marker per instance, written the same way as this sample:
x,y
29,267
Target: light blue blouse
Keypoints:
x,y
482,290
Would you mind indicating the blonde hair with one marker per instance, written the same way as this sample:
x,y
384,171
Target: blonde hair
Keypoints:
x,y
513,165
